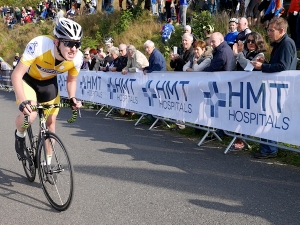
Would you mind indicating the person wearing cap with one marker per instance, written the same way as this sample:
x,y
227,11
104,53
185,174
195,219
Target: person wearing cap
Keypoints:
x,y
166,31
232,34
35,77
109,43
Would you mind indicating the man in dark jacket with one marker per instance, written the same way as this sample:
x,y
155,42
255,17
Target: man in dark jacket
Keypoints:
x,y
223,57
283,57
178,61
157,61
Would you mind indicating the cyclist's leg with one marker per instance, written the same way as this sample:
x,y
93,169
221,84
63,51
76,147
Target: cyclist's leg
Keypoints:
x,y
20,132
51,122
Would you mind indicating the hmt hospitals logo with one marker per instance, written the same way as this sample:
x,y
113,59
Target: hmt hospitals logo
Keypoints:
x,y
149,92
214,99
259,104
122,88
171,95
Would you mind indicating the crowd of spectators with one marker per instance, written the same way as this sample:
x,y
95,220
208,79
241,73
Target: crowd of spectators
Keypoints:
x,y
240,49
51,10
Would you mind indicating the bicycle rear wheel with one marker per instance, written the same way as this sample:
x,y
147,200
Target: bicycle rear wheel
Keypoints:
x,y
56,178
29,151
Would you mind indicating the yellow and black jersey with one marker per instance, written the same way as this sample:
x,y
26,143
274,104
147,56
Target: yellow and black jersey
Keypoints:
x,y
39,56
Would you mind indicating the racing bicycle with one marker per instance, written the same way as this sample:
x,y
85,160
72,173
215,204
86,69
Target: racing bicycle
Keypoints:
x,y
56,178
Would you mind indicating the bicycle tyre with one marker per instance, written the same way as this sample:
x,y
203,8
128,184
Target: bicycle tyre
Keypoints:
x,y
57,182
29,151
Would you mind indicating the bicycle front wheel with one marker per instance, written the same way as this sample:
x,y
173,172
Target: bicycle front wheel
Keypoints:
x,y
57,177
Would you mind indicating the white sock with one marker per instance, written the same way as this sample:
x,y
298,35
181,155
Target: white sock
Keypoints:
x,y
19,134
49,157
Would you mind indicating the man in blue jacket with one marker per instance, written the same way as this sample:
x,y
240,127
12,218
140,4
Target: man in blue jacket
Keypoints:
x,y
223,58
283,57
157,61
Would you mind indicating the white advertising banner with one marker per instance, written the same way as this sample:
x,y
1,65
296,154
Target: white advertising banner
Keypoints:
x,y
252,103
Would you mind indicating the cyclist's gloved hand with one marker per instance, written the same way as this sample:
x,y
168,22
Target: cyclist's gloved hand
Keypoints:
x,y
24,107
74,103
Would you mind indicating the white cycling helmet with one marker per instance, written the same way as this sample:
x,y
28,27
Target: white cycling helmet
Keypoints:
x,y
68,29
233,20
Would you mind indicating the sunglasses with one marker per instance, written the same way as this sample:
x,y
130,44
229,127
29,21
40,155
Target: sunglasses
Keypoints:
x,y
250,41
71,44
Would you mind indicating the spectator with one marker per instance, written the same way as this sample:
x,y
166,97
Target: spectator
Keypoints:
x,y
179,60
182,10
243,29
153,7
232,34
252,49
249,51
275,9
91,9
60,13
283,57
109,8
200,59
86,61
4,11
101,60
129,4
293,14
108,65
166,31
157,61
4,65
11,22
252,12
119,60
136,60
109,43
93,58
16,60
177,11
222,54
78,5
71,13
188,29
94,4
168,8
120,5
18,14
208,30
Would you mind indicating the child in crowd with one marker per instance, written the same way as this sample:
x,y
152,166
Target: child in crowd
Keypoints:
x,y
166,31
232,34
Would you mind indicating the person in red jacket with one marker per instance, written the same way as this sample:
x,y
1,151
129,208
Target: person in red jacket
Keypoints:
x,y
293,14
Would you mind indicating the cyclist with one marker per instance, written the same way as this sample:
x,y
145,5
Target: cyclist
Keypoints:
x,y
35,77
